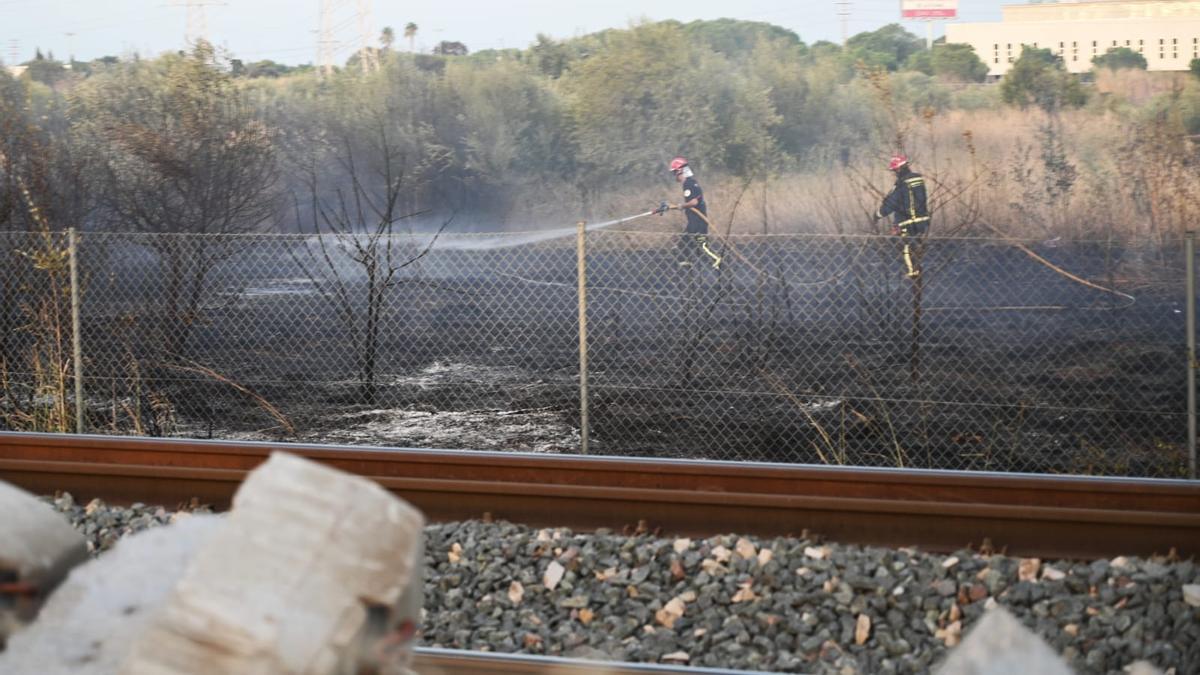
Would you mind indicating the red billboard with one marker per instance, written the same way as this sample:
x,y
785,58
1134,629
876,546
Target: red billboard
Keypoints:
x,y
928,9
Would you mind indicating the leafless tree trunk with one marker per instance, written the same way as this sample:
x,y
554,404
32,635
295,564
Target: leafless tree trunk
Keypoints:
x,y
360,221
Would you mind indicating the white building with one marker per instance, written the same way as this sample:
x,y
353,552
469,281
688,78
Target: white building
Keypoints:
x,y
1166,32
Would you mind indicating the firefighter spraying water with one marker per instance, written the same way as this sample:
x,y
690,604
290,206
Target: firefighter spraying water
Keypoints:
x,y
693,244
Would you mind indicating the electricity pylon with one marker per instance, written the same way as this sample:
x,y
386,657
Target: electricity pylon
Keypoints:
x,y
334,18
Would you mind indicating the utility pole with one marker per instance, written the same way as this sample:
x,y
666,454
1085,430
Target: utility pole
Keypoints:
x,y
332,19
366,36
843,12
325,41
197,23
196,28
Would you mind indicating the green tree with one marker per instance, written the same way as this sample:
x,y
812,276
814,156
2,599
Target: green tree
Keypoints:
x,y
179,149
632,107
780,67
736,39
387,37
410,34
550,57
267,68
889,47
921,62
745,117
46,70
824,49
87,68
1038,78
1117,58
1194,67
512,130
449,48
958,63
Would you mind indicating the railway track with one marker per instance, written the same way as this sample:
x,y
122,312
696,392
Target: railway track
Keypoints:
x,y
1047,516
431,661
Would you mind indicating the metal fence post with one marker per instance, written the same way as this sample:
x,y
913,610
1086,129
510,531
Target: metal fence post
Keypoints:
x,y
76,340
581,267
1190,318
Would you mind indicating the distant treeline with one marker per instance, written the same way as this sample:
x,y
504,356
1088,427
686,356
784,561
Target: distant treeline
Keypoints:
x,y
204,142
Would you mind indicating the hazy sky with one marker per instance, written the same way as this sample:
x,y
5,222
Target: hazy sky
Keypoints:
x,y
285,30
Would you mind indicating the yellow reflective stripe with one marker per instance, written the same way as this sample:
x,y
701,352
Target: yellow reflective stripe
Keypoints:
x,y
910,221
912,199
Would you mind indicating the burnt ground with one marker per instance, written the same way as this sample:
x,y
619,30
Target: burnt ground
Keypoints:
x,y
800,350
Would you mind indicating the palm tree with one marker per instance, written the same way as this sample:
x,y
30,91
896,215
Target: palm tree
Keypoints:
x,y
410,32
387,38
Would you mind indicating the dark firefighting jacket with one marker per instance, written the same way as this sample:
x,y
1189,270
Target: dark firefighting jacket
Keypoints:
x,y
696,224
907,204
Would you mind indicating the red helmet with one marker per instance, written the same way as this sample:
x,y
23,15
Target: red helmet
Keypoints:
x,y
897,162
677,164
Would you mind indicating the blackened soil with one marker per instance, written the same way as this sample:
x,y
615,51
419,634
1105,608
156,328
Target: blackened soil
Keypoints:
x,y
798,351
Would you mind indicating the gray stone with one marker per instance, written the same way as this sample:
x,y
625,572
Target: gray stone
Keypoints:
x,y
1096,660
37,550
88,624
946,587
793,610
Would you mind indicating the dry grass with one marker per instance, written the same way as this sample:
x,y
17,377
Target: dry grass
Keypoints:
x,y
1137,87
1121,176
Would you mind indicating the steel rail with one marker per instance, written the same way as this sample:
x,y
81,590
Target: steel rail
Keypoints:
x,y
434,661
1048,516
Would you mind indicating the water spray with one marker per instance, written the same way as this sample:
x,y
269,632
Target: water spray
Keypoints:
x,y
525,238
661,209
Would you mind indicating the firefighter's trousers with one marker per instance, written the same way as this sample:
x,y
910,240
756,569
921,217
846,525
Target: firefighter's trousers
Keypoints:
x,y
694,246
910,234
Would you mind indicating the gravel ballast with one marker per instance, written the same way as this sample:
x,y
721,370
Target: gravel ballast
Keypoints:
x,y
789,605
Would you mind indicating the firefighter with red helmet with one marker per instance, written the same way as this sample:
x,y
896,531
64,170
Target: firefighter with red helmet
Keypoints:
x,y
908,205
694,243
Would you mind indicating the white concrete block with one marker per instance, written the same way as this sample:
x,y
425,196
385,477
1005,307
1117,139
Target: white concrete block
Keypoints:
x,y
1001,645
37,549
285,585
89,623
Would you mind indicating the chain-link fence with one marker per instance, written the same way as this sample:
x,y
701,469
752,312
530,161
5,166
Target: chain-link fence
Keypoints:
x,y
1001,355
